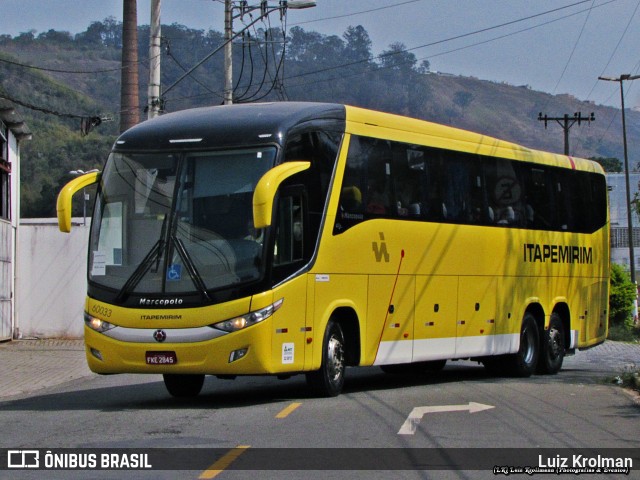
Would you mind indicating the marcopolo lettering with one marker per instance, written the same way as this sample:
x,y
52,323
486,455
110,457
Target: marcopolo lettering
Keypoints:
x,y
543,253
161,302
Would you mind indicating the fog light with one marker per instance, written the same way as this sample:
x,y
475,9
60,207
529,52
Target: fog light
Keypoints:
x,y
96,353
238,354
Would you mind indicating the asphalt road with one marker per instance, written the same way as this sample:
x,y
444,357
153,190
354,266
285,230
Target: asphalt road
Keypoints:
x,y
235,421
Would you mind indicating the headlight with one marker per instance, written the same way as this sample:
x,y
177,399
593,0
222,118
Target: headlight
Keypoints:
x,y
96,324
249,319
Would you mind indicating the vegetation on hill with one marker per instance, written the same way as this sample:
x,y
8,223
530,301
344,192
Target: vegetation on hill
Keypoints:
x,y
80,76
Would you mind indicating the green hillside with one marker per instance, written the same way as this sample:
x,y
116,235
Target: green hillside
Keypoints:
x,y
79,76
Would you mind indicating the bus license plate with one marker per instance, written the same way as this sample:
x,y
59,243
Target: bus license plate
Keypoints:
x,y
161,358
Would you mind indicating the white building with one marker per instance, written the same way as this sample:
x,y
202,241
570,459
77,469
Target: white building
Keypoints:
x,y
13,131
618,216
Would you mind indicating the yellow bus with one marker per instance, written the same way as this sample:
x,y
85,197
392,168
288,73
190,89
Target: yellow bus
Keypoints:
x,y
294,237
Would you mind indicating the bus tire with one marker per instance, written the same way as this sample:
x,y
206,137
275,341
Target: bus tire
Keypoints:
x,y
183,386
552,347
329,380
523,363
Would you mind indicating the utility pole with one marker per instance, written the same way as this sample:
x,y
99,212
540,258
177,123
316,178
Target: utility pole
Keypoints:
x,y
228,52
632,263
153,92
129,115
229,36
566,122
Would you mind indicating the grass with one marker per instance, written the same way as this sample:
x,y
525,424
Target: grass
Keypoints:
x,y
630,333
624,333
629,379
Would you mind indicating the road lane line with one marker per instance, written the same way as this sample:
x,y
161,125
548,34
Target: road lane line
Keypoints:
x,y
223,462
286,411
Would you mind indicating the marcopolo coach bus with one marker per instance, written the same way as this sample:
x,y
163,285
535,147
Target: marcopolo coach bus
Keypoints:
x,y
291,238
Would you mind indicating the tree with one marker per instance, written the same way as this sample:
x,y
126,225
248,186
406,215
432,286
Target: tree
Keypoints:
x,y
621,296
610,164
358,44
424,67
462,99
53,36
397,58
107,33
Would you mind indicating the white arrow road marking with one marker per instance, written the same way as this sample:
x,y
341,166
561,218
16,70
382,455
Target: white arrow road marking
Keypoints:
x,y
411,423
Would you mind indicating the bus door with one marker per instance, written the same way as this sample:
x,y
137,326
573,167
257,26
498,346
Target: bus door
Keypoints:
x,y
593,318
289,255
476,321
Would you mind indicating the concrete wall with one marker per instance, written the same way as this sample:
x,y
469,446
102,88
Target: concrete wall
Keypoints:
x,y
51,279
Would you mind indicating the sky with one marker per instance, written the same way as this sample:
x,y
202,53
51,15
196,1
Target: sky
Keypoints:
x,y
555,46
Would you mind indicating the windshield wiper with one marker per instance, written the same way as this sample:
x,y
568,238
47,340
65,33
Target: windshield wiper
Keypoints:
x,y
141,270
191,268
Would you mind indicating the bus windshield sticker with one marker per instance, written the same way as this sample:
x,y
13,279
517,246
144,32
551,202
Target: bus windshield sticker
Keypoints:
x,y
174,272
99,264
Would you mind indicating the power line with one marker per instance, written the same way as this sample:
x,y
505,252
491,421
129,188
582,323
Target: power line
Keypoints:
x,y
355,13
458,37
369,65
575,46
55,70
482,42
87,122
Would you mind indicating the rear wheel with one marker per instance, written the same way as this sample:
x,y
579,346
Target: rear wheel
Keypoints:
x,y
183,385
552,347
329,380
523,363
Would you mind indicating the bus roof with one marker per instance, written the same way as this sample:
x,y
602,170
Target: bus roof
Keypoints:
x,y
410,130
264,123
226,125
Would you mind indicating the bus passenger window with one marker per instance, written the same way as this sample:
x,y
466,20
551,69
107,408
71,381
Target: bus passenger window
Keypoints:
x,y
378,153
408,172
504,189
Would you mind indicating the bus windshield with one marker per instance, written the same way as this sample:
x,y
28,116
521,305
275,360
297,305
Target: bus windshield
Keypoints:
x,y
168,223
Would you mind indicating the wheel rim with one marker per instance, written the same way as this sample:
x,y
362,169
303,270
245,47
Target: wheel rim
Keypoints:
x,y
528,351
335,359
555,347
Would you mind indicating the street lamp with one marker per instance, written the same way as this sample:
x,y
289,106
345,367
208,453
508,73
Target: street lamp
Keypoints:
x,y
265,10
85,196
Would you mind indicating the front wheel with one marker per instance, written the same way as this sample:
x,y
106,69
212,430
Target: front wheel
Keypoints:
x,y
552,347
183,385
329,380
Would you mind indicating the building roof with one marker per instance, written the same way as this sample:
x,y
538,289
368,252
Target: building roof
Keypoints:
x,y
13,120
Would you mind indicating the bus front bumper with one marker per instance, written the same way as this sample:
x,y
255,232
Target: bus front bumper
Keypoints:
x,y
243,352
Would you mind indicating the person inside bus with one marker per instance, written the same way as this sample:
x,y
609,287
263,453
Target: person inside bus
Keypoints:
x,y
351,199
376,201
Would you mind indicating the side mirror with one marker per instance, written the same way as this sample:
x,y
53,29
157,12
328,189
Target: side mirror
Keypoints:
x,y
266,190
63,205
